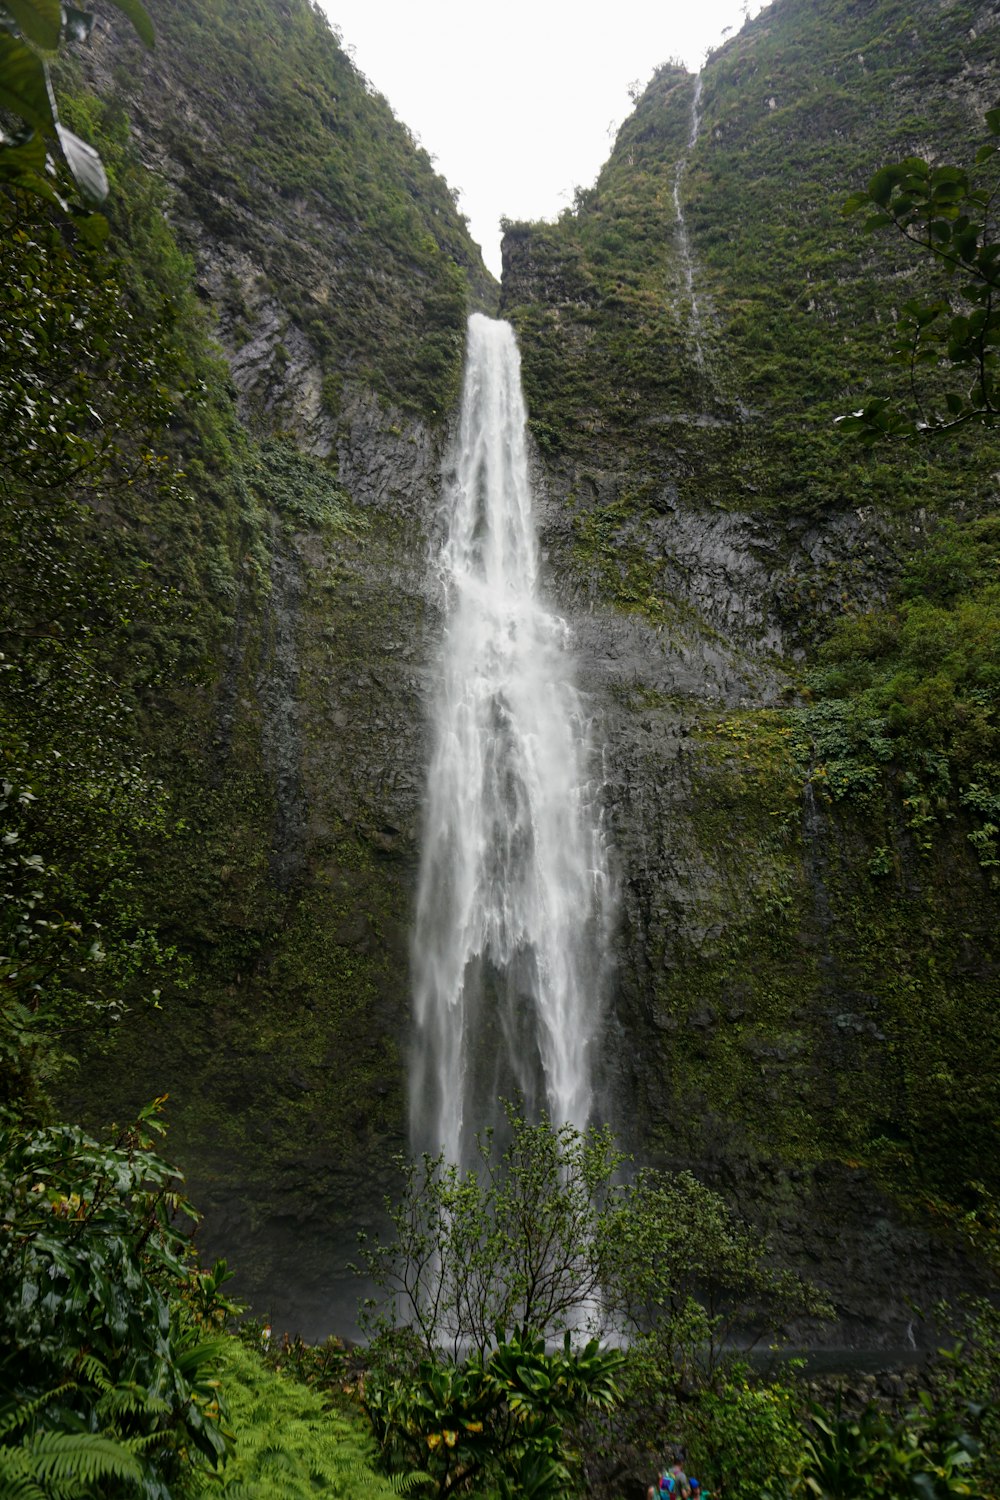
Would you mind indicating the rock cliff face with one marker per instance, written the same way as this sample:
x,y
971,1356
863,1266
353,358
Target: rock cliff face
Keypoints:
x,y
796,967
338,278
800,976
750,1037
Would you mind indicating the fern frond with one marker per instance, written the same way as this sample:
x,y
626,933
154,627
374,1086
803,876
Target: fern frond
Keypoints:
x,y
130,1400
404,1483
15,1482
87,1457
94,1370
289,1445
145,1442
364,1483
20,1413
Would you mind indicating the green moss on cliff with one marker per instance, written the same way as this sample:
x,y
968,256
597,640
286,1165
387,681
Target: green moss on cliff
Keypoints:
x,y
118,566
730,386
289,157
799,294
599,301
817,978
810,950
179,597
916,688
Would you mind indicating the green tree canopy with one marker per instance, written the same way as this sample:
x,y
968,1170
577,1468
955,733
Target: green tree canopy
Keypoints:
x,y
948,340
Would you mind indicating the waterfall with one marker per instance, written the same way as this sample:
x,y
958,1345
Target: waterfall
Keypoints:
x,y
514,902
683,242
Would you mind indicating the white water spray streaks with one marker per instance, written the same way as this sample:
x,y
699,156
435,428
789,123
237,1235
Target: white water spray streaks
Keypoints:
x,y
513,897
683,243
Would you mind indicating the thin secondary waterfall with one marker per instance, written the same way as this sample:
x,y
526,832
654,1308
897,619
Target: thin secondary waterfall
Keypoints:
x,y
514,901
683,242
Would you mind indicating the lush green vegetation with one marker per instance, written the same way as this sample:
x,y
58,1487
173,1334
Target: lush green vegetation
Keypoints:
x,y
306,171
915,688
891,749
787,274
596,300
147,541
737,405
489,1269
828,886
118,1376
134,536
286,1439
948,343
893,745
107,1378
158,924
121,571
95,622
30,30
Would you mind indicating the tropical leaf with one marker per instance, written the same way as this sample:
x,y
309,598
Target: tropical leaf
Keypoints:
x,y
38,20
24,84
55,1458
139,17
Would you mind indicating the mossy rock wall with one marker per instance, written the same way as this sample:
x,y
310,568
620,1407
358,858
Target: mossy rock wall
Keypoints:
x,y
337,276
807,960
290,889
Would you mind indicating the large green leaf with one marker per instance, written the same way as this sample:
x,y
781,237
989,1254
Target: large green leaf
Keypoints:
x,y
139,18
39,20
882,184
24,84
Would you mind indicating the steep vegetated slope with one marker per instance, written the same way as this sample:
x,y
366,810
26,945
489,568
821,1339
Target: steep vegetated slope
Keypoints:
x,y
793,640
328,245
213,593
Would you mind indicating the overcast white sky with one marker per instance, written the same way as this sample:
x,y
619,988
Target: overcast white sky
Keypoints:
x,y
519,100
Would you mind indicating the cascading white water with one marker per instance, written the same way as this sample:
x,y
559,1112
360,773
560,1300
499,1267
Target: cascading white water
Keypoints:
x,y
683,242
513,905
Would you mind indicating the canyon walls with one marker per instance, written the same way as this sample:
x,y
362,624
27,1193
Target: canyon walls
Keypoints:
x,y
806,953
